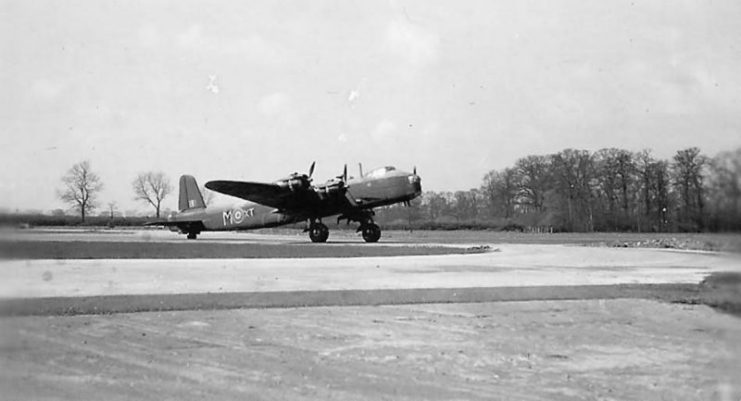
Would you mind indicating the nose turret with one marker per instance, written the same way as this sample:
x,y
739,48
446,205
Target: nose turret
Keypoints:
x,y
386,186
416,183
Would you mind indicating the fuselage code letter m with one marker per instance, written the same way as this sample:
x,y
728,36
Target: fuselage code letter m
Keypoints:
x,y
237,216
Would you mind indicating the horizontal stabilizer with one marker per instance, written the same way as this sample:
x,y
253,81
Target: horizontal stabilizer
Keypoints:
x,y
165,223
183,226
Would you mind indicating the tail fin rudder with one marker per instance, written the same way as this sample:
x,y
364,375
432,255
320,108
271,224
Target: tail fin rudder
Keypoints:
x,y
190,195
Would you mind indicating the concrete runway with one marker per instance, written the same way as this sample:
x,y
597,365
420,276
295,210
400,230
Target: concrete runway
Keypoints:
x,y
260,237
63,285
507,266
412,327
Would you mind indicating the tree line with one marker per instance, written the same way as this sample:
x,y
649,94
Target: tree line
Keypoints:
x,y
581,191
572,190
81,187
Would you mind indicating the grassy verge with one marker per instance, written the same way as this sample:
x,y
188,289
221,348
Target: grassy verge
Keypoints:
x,y
721,291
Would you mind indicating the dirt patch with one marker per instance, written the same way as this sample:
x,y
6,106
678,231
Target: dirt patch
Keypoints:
x,y
543,350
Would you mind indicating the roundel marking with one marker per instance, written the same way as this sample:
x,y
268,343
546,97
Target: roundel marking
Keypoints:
x,y
238,216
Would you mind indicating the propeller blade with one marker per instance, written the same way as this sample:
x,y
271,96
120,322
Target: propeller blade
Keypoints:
x,y
360,167
415,170
311,169
344,173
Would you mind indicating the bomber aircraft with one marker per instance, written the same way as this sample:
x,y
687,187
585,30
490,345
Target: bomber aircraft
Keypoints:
x,y
292,199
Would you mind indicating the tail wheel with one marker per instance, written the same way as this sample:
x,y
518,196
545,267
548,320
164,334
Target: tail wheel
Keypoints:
x,y
318,232
371,232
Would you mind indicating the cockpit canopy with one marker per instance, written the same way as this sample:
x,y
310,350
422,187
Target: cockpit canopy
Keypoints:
x,y
380,172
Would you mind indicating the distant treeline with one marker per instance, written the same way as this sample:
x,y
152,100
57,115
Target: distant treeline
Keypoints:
x,y
42,220
569,191
581,191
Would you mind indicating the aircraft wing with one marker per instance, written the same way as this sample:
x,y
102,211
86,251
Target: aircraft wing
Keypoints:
x,y
265,194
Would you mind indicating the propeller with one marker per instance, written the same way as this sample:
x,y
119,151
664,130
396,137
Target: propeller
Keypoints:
x,y
298,181
416,180
343,177
344,187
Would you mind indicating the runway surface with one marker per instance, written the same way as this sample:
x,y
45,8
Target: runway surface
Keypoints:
x,y
494,272
623,349
415,326
163,244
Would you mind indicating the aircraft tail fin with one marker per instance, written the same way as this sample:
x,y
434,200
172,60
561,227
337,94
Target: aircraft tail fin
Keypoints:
x,y
190,195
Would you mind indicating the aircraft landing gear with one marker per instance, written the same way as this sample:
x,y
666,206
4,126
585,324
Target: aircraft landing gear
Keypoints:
x,y
371,232
192,235
318,232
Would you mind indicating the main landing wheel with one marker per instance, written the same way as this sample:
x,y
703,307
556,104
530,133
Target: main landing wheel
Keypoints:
x,y
371,233
192,235
318,232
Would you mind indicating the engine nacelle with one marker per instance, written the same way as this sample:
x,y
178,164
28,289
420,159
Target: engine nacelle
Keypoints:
x,y
331,190
295,183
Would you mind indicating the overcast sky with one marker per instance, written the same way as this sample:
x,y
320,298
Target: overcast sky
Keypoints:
x,y
254,90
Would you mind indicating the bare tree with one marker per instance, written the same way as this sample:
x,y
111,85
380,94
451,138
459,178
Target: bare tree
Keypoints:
x,y
615,175
111,209
464,207
535,179
644,162
725,189
574,177
81,186
501,190
152,188
688,172
437,204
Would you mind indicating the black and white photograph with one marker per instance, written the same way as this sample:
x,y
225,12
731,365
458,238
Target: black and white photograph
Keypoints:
x,y
370,200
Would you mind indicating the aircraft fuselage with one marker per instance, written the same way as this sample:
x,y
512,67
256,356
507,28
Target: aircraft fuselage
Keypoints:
x,y
380,187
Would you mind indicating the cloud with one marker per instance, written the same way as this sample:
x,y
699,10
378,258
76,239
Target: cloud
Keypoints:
x,y
411,42
353,96
273,104
191,37
354,93
384,130
253,47
149,36
44,89
212,86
